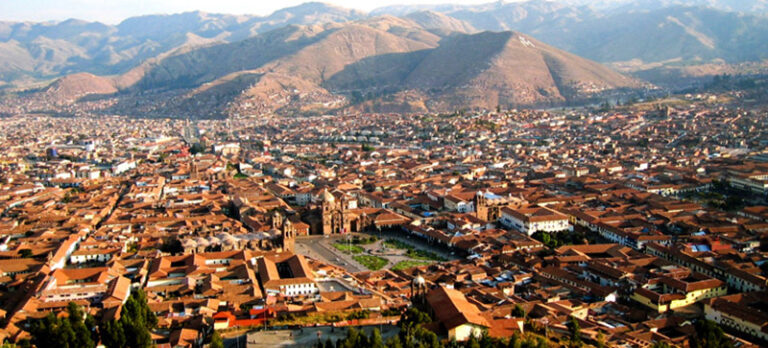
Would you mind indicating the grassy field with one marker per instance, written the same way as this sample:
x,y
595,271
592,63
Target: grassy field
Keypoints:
x,y
413,253
409,264
395,244
374,263
424,255
364,240
354,249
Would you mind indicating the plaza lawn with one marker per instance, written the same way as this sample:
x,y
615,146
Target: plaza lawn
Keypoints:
x,y
412,252
374,263
364,240
409,264
396,244
354,249
424,255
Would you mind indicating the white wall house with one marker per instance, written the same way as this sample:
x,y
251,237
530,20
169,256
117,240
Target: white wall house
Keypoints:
x,y
85,256
298,289
534,219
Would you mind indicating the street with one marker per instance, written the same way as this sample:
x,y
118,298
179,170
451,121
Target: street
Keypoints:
x,y
320,248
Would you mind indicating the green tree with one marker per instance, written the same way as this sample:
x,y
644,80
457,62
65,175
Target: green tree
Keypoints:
x,y
93,327
216,341
71,332
197,148
376,340
82,336
135,324
545,238
600,340
472,342
413,317
515,341
394,342
518,311
137,321
112,334
486,341
575,330
136,334
354,339
710,335
45,331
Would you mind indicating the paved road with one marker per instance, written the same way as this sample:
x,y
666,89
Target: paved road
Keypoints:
x,y
320,248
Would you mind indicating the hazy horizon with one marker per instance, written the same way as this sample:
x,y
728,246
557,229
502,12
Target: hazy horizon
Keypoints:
x,y
115,11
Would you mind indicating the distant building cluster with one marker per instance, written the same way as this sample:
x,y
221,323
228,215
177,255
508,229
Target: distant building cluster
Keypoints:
x,y
635,223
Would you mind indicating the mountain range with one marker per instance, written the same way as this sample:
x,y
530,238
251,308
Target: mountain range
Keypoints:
x,y
398,58
380,64
642,32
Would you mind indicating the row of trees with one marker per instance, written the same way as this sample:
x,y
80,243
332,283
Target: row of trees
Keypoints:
x,y
558,239
133,330
79,330
134,326
76,330
413,335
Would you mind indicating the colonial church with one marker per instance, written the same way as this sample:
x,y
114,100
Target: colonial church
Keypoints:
x,y
287,237
488,205
336,215
340,214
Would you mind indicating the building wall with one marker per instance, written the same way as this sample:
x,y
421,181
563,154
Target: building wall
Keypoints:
x,y
462,332
648,303
698,295
690,298
530,228
735,323
166,281
748,184
220,325
301,289
91,257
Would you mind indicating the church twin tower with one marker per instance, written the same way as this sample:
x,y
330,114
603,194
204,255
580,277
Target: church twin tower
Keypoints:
x,y
287,231
336,216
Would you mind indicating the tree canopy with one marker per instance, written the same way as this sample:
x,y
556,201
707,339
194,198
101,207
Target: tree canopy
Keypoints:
x,y
134,326
710,335
69,332
413,334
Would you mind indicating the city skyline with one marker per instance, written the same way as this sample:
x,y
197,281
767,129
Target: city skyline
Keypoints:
x,y
547,173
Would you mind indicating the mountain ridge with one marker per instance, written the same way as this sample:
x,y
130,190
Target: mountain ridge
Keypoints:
x,y
371,62
36,53
316,57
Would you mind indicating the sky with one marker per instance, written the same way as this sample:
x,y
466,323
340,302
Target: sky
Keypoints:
x,y
114,11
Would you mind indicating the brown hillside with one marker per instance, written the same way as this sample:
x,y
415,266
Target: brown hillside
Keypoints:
x,y
384,63
72,87
488,69
354,42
